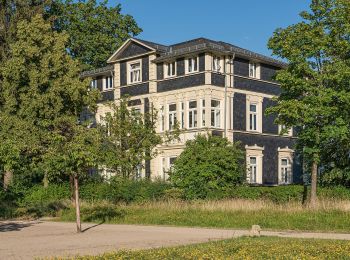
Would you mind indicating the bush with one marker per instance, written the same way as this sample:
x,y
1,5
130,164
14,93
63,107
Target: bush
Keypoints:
x,y
208,167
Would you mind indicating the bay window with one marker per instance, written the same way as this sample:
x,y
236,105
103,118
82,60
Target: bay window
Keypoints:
x,y
215,113
172,116
192,114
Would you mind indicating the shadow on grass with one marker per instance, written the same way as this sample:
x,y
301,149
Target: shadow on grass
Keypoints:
x,y
15,226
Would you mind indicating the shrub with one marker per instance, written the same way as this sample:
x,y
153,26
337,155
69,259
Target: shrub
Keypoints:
x,y
208,167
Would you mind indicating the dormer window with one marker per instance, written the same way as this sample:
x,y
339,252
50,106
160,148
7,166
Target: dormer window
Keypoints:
x,y
134,73
108,82
252,70
93,84
217,64
192,64
170,69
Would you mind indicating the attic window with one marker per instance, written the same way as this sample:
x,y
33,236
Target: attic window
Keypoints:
x,y
134,72
192,64
170,69
252,70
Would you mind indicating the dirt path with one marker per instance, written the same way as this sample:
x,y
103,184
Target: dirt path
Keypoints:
x,y
26,240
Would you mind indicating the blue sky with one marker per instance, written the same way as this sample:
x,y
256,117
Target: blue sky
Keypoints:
x,y
248,24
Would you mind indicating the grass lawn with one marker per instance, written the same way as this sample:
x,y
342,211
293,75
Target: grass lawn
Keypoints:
x,y
331,217
244,248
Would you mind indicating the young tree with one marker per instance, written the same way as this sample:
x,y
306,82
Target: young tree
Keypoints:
x,y
95,29
131,138
73,151
208,165
315,85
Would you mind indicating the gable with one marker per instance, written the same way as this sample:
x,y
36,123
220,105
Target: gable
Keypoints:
x,y
130,48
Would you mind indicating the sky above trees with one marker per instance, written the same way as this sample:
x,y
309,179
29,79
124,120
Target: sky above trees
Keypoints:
x,y
248,24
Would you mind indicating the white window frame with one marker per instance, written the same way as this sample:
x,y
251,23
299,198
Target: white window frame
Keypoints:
x,y
172,116
108,83
203,121
194,112
254,100
93,84
217,63
253,117
257,152
253,70
285,153
182,115
129,71
191,69
173,69
215,113
162,119
253,169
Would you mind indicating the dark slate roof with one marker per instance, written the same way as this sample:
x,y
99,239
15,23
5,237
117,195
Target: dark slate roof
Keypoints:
x,y
157,46
201,44
99,71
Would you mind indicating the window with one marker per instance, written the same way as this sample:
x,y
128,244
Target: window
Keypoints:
x,y
253,117
164,170
182,114
170,69
216,63
215,113
192,114
192,64
162,123
285,171
252,70
135,72
108,82
93,84
253,166
171,161
172,116
203,113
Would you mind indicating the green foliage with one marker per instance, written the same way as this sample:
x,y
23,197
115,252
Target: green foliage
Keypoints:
x,y
241,248
316,83
130,138
334,176
208,167
95,29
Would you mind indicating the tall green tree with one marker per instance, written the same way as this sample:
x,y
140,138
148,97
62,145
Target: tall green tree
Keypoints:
x,y
95,29
40,85
130,138
316,84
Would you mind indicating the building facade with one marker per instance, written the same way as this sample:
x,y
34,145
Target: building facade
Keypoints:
x,y
207,87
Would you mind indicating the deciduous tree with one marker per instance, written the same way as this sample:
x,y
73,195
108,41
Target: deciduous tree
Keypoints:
x,y
316,83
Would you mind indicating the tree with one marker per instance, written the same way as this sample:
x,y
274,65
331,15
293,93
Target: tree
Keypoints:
x,y
209,165
40,84
130,138
95,29
316,83
73,151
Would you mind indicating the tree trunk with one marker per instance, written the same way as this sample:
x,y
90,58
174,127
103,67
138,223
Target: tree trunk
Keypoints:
x,y
71,182
313,194
77,205
8,176
46,181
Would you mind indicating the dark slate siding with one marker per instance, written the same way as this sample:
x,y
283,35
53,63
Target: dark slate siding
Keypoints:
x,y
268,125
132,50
218,79
145,69
107,95
267,72
160,71
180,63
123,78
135,90
134,102
270,159
180,83
239,112
201,65
241,67
257,86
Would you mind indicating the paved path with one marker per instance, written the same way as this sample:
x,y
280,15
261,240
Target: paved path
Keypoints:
x,y
26,240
